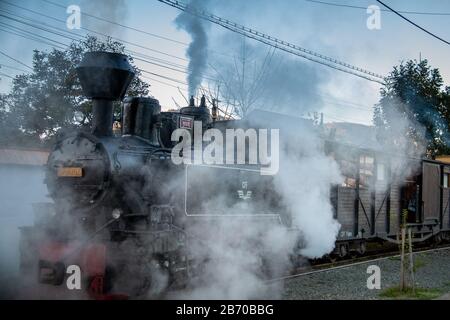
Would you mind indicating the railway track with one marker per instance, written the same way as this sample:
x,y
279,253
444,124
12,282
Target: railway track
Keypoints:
x,y
324,267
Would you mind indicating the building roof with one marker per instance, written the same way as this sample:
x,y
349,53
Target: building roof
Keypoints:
x,y
357,135
23,157
443,158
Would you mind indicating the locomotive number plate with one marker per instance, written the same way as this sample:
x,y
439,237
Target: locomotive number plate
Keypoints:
x,y
186,123
70,172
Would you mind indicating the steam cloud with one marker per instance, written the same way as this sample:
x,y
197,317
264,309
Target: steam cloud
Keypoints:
x,y
396,140
236,256
113,10
20,187
197,50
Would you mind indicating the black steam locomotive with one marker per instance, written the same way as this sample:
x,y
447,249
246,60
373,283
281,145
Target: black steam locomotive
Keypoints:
x,y
121,207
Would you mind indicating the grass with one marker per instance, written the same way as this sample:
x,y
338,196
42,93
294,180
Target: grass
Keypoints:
x,y
420,293
419,262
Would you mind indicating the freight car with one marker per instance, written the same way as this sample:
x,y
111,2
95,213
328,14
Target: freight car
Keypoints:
x,y
375,199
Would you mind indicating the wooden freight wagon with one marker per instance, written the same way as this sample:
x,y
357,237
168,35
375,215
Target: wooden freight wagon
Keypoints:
x,y
375,198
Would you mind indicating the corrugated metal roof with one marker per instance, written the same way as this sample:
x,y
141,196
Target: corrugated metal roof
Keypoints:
x,y
23,157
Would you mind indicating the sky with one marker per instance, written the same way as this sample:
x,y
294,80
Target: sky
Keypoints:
x,y
338,32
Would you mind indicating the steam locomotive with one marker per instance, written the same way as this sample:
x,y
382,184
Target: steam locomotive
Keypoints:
x,y
121,207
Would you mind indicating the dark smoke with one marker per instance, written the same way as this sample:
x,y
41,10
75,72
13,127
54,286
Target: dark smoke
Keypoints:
x,y
197,50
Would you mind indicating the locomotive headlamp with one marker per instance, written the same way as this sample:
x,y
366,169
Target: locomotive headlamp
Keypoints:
x,y
116,213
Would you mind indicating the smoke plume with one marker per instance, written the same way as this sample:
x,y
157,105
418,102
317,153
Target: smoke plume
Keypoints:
x,y
198,48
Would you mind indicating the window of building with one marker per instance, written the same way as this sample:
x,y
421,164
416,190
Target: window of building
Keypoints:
x,y
348,170
446,180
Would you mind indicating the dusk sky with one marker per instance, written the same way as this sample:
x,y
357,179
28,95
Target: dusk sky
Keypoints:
x,y
338,32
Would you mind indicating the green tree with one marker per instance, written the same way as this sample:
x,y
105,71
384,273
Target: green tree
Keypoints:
x,y
50,98
413,103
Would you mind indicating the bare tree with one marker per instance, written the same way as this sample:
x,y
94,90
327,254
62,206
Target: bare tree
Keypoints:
x,y
243,79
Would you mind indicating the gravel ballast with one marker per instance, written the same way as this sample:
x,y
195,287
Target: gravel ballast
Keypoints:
x,y
433,272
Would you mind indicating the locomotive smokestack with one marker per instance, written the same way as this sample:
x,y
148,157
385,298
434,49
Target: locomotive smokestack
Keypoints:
x,y
203,102
192,102
104,77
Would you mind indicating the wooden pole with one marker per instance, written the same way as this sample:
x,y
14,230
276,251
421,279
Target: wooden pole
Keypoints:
x,y
411,261
402,261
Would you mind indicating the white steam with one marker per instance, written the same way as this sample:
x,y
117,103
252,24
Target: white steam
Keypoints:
x,y
20,187
236,256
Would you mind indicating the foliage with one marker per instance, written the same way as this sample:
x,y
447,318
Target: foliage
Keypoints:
x,y
50,98
414,103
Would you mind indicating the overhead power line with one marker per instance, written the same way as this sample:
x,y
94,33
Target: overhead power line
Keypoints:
x,y
6,75
133,28
12,68
385,10
413,23
69,35
14,59
96,32
29,35
142,70
120,25
33,36
14,28
26,36
277,43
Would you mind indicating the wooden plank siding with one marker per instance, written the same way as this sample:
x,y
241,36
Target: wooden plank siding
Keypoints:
x,y
395,208
446,208
380,208
364,212
345,214
431,190
346,197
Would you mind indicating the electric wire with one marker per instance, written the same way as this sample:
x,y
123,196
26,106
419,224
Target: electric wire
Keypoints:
x,y
413,23
277,43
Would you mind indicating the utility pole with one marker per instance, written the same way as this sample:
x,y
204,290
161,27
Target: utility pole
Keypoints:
x,y
406,265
